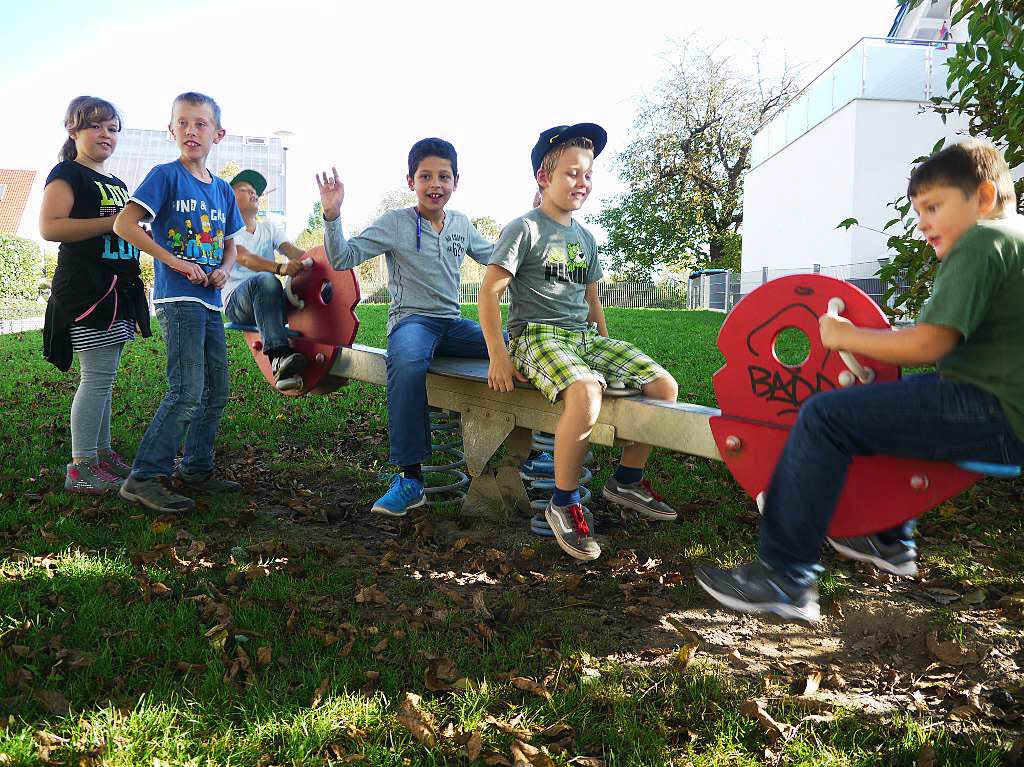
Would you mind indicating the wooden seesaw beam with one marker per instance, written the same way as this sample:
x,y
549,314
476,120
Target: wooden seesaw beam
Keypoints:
x,y
491,419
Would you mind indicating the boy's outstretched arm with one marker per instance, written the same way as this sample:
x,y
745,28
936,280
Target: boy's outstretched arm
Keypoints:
x,y
596,314
342,253
501,373
920,344
126,226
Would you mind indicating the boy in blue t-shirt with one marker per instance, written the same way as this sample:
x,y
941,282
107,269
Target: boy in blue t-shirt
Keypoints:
x,y
194,217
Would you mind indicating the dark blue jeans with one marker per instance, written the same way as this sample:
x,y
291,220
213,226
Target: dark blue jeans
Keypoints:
x,y
197,379
260,300
412,344
922,416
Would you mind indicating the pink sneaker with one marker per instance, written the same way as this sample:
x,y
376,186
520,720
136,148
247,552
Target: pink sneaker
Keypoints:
x,y
90,478
113,463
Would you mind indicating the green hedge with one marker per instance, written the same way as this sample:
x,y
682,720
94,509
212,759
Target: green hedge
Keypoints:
x,y
21,266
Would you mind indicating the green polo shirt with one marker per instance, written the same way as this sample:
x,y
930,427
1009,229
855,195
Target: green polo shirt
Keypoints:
x,y
979,290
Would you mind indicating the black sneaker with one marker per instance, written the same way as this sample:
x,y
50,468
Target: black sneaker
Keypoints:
x,y
896,558
153,495
572,531
286,369
639,497
756,588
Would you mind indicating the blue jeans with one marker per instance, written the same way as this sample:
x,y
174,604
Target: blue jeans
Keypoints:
x,y
260,301
922,416
412,344
197,378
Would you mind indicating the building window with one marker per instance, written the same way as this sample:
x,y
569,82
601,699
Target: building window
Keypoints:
x,y
3,190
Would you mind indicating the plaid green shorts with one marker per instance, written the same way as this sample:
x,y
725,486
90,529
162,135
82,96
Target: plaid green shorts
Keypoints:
x,y
553,358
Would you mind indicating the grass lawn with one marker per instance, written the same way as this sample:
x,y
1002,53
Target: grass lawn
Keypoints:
x,y
20,308
284,626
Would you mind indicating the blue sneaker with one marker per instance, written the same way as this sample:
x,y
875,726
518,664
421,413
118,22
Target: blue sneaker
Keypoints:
x,y
404,494
541,467
757,588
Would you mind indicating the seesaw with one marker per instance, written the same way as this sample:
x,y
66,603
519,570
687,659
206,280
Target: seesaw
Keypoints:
x,y
759,396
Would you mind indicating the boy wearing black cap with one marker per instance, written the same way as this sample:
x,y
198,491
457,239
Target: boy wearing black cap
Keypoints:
x,y
559,339
252,294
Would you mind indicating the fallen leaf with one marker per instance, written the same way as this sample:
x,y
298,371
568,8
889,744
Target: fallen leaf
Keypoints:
x,y
755,710
159,526
318,693
950,653
528,685
690,634
736,660
417,721
587,761
480,607
381,646
975,597
942,596
371,595
263,655
683,657
529,755
473,746
53,701
441,675
927,757
812,683
966,711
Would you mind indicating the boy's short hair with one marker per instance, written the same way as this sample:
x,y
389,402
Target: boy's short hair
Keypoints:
x,y
965,165
550,161
198,100
432,147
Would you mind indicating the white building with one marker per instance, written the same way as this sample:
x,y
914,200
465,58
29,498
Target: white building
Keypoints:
x,y
844,147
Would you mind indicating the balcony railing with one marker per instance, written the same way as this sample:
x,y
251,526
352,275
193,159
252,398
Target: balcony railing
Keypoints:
x,y
874,68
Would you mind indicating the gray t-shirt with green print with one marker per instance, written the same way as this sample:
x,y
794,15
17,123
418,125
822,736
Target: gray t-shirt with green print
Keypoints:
x,y
551,266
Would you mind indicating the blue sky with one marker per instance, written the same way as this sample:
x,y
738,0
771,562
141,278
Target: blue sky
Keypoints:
x,y
359,82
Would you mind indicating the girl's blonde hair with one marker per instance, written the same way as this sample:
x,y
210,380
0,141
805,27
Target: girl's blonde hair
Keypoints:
x,y
82,111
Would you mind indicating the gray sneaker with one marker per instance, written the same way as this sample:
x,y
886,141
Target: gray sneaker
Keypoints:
x,y
639,497
114,463
90,478
286,369
153,495
757,588
896,558
572,532
205,482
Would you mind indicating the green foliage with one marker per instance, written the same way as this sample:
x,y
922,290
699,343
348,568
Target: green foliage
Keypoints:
x,y
487,226
229,171
21,266
985,87
146,270
49,261
316,216
684,167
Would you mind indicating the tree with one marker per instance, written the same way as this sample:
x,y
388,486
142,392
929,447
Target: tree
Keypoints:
x,y
316,217
684,167
393,199
986,87
229,171
487,226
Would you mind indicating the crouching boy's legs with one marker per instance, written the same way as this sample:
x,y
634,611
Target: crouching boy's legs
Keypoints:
x,y
923,417
260,300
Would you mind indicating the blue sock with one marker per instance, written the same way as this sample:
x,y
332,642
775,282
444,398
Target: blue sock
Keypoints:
x,y
565,497
625,475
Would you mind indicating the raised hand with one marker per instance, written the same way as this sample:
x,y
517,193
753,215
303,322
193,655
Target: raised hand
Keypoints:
x,y
332,193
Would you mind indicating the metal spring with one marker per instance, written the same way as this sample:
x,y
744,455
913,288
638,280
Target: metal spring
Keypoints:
x,y
446,439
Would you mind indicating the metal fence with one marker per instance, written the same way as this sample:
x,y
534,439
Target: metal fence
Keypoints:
x,y
634,295
720,290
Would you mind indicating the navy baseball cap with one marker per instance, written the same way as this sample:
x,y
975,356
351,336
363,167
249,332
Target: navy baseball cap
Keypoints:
x,y
253,178
552,137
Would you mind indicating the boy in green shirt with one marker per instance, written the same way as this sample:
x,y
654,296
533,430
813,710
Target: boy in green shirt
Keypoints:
x,y
972,409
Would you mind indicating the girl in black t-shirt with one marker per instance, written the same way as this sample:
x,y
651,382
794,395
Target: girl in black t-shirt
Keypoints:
x,y
97,298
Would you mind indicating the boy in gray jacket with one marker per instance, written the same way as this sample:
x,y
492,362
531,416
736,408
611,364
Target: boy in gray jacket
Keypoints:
x,y
423,247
